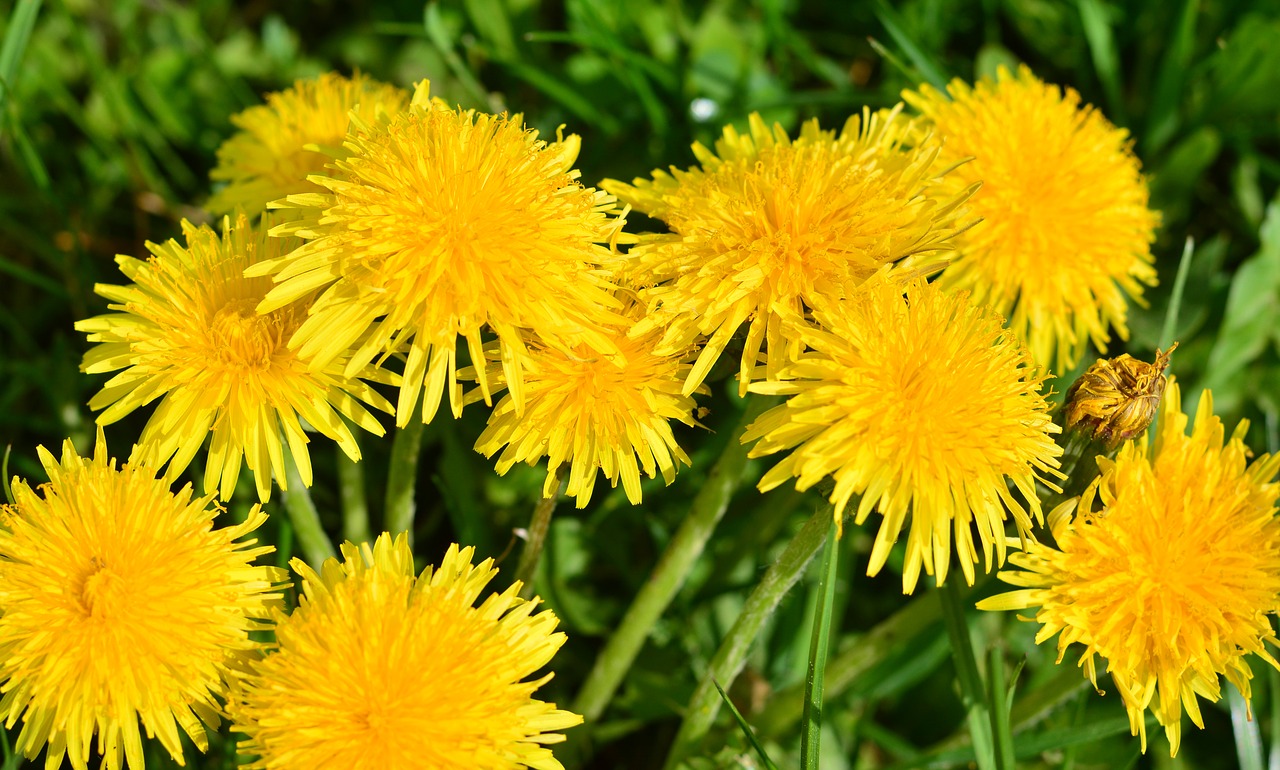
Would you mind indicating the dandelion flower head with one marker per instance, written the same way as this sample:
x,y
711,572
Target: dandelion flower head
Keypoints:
x,y
1066,231
441,224
597,414
1168,571
922,405
768,227
186,332
122,604
294,135
378,669
1115,400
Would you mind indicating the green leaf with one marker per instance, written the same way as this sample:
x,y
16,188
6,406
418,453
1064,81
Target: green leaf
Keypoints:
x,y
16,36
1162,114
1106,60
1248,736
811,729
926,65
494,25
1175,300
745,728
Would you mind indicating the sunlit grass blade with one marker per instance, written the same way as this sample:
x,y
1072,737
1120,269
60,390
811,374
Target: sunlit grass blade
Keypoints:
x,y
1248,736
438,34
746,728
1162,115
4,475
811,730
1106,61
1170,326
16,36
1000,704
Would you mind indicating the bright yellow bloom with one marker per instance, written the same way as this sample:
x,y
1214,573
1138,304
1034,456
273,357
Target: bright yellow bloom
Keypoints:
x,y
1172,578
1066,232
187,333
121,603
768,228
923,405
597,413
377,670
292,136
440,223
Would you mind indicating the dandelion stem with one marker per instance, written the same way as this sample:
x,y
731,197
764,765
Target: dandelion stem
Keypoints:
x,y
972,691
355,509
538,528
402,477
671,571
732,655
316,546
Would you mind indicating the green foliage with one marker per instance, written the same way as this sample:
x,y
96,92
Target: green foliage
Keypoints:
x,y
110,114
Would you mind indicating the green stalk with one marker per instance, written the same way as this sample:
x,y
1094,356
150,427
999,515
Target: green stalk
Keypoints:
x,y
671,571
732,655
355,508
972,692
316,545
402,476
811,737
1002,734
539,525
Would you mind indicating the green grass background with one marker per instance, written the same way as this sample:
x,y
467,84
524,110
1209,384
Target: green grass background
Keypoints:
x,y
110,113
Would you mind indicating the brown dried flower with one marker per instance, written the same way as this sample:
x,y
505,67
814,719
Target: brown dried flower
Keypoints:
x,y
1116,399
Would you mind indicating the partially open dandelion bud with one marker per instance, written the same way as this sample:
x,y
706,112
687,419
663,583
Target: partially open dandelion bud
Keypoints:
x,y
1116,398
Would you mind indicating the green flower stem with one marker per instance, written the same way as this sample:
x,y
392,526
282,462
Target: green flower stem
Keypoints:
x,y
972,691
316,545
671,571
732,655
539,525
402,477
355,509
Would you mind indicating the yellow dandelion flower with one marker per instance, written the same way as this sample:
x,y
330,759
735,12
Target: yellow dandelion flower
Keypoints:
x,y
294,135
376,669
923,405
1066,230
1173,578
596,413
186,333
766,228
121,604
441,223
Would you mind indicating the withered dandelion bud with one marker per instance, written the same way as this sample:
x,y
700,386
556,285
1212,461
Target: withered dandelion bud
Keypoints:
x,y
1116,398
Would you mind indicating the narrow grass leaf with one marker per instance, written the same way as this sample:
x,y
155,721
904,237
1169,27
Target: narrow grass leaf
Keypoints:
x,y
811,730
1162,114
4,475
562,93
745,728
439,35
1248,736
1170,326
1106,61
972,691
892,22
16,36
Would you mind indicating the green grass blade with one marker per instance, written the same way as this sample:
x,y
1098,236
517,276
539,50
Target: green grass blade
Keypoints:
x,y
1273,715
4,475
1000,703
438,34
1170,326
746,728
563,94
972,691
1248,736
1106,61
924,63
1162,115
811,731
16,36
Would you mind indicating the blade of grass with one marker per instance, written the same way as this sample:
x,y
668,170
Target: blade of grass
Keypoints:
x,y
564,94
438,34
811,731
1273,707
1170,326
892,23
1247,735
1162,116
16,36
746,729
732,655
4,475
1106,62
999,704
972,691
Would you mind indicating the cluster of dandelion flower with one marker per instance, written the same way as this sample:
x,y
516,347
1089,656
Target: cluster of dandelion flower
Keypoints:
x,y
438,225
377,668
768,227
187,332
122,604
1168,570
921,404
1066,229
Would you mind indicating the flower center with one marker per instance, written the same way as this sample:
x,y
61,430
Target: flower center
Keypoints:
x,y
240,338
103,595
